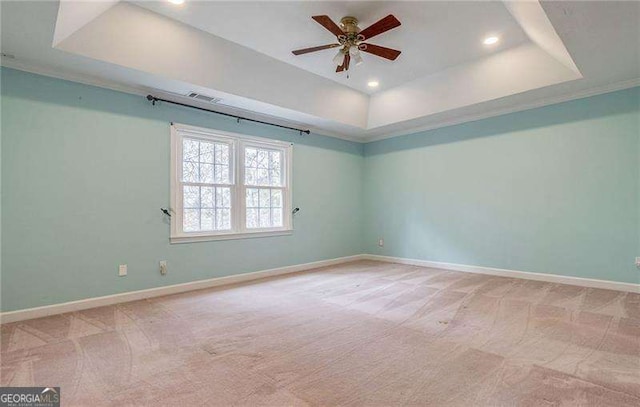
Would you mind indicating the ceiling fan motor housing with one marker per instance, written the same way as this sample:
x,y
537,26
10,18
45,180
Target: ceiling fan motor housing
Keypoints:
x,y
351,38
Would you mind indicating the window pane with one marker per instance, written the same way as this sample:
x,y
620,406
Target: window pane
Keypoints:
x,y
276,198
190,172
250,176
206,173
223,219
275,177
276,217
206,152
262,177
250,157
265,218
263,159
265,198
223,198
263,167
207,196
207,183
190,150
252,218
191,221
252,198
206,208
191,197
264,208
221,174
205,162
274,157
207,219
222,154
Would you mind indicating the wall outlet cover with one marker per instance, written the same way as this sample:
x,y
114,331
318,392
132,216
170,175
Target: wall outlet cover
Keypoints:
x,y
122,270
638,262
163,267
381,242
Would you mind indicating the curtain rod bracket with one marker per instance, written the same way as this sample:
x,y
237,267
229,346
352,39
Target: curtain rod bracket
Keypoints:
x,y
154,99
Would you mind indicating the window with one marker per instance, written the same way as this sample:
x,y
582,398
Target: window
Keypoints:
x,y
227,186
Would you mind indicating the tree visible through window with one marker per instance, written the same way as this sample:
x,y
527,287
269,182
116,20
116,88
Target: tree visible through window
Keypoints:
x,y
228,185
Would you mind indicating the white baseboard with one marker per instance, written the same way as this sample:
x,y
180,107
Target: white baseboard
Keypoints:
x,y
551,278
71,306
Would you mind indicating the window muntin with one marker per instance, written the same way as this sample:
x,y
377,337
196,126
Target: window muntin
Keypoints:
x,y
264,208
206,170
263,178
263,167
211,202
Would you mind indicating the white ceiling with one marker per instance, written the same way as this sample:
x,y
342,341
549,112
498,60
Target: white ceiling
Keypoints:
x,y
240,51
433,35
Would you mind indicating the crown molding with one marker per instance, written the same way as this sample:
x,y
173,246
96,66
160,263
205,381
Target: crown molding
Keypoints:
x,y
143,91
594,91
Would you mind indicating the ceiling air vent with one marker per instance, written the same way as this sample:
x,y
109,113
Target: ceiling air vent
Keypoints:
x,y
203,98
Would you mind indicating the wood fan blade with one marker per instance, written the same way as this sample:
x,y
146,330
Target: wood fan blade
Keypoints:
x,y
328,23
314,49
345,63
383,52
386,24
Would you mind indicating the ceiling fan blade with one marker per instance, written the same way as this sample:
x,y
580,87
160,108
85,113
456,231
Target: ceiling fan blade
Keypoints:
x,y
314,49
383,52
328,23
386,24
345,63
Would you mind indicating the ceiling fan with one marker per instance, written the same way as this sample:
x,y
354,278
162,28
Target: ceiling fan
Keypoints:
x,y
351,40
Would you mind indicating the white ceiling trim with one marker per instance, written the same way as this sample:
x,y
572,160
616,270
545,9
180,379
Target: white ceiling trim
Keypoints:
x,y
129,36
136,38
534,22
143,91
569,96
73,15
606,55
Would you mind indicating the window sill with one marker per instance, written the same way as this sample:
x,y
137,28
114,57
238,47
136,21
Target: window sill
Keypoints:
x,y
230,236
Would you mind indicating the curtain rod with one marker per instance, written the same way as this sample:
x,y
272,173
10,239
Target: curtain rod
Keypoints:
x,y
154,99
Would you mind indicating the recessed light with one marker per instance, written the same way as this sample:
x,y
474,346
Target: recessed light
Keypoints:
x,y
490,40
373,84
176,1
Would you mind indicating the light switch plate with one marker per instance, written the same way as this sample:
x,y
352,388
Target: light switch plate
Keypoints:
x,y
122,270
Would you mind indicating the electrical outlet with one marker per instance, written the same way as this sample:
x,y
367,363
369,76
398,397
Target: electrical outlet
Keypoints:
x,y
163,267
381,242
638,262
122,270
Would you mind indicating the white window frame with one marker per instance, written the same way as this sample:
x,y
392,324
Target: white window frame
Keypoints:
x,y
237,143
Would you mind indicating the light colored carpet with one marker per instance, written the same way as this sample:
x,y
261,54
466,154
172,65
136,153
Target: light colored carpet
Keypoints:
x,y
362,334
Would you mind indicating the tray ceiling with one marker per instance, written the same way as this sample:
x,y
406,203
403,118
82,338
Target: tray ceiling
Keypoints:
x,y
240,52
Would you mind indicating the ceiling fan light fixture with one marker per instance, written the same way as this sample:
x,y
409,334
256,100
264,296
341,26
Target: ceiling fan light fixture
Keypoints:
x,y
350,39
357,58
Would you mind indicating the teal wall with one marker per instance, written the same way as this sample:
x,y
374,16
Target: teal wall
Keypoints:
x,y
85,171
550,190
